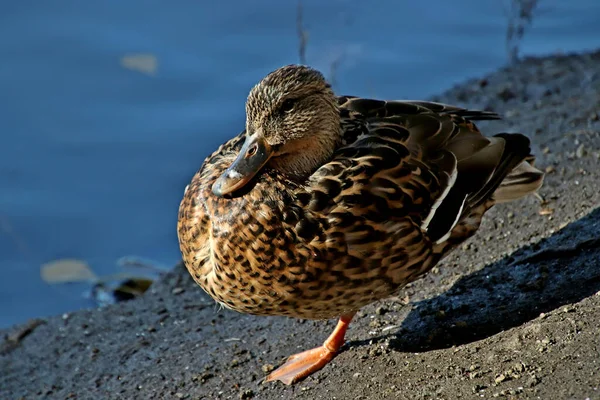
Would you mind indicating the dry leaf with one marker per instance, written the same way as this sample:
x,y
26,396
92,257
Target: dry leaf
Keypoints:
x,y
67,270
141,62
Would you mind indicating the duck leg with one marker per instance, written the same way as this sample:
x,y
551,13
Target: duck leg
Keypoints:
x,y
301,365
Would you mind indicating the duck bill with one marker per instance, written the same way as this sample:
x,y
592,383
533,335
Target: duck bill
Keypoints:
x,y
253,156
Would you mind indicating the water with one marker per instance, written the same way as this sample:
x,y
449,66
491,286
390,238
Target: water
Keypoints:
x,y
94,157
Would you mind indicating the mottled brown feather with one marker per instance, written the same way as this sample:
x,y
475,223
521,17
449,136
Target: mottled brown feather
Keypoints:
x,y
407,182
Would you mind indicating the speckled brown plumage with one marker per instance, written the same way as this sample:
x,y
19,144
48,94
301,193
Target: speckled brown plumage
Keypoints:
x,y
357,197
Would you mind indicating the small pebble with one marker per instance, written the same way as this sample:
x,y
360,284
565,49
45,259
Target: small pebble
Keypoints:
x,y
178,290
267,368
501,378
519,367
375,352
202,377
478,388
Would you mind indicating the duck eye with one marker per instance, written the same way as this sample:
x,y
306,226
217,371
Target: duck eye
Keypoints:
x,y
288,105
252,151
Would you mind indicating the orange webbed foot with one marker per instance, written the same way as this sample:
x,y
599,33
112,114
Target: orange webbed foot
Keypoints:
x,y
301,365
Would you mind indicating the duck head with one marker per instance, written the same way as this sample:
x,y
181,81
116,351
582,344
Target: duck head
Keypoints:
x,y
292,125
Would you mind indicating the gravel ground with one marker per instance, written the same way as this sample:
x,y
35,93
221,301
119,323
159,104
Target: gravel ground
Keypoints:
x,y
515,313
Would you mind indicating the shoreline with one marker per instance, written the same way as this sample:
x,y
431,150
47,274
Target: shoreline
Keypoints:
x,y
515,312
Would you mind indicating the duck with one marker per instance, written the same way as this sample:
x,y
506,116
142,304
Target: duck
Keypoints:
x,y
324,204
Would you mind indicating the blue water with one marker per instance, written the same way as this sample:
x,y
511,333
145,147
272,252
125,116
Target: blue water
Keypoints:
x,y
94,157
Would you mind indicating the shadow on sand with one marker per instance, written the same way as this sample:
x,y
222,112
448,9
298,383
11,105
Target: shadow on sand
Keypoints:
x,y
562,269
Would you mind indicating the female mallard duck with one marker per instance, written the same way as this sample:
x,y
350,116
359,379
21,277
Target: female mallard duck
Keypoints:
x,y
325,204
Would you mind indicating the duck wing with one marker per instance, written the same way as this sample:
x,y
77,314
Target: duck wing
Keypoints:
x,y
427,162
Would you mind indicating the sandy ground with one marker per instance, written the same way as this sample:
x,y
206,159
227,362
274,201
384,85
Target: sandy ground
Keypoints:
x,y
515,313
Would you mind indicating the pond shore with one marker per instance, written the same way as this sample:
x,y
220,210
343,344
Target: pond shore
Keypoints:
x,y
514,313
